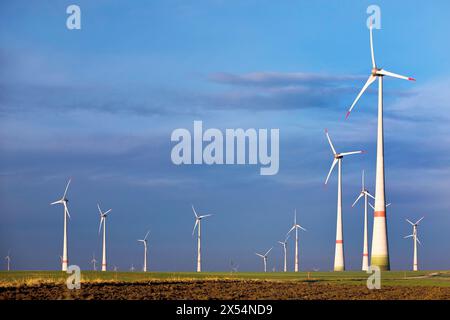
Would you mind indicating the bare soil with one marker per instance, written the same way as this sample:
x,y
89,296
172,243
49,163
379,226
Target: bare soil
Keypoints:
x,y
223,290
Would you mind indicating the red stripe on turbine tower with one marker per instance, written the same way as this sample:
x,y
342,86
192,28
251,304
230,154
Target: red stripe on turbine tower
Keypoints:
x,y
379,214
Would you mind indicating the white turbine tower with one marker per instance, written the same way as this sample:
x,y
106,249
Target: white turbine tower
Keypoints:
x,y
64,201
94,262
380,246
339,261
364,193
264,257
144,241
416,240
284,244
295,227
198,219
103,216
8,261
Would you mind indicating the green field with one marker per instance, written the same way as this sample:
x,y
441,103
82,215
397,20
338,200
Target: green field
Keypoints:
x,y
404,278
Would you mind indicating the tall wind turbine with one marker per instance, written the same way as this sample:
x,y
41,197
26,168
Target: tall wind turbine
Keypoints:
x,y
284,244
198,220
8,261
380,246
416,240
264,257
103,216
364,193
295,227
94,262
64,201
339,262
144,241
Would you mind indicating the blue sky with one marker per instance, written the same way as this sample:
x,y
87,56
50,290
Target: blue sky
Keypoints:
x,y
99,105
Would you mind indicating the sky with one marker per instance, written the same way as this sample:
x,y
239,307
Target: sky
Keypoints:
x,y
99,104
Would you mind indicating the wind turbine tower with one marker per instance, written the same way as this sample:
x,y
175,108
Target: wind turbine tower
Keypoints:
x,y
339,261
416,240
64,201
380,246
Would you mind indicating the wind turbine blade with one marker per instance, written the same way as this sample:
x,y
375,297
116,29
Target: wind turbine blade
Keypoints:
x,y
295,216
331,169
259,255
299,226
417,238
99,210
291,230
281,242
287,237
351,152
417,222
66,208
370,195
369,81
409,222
67,187
408,236
362,181
371,205
105,213
56,202
145,238
329,141
195,226
374,65
357,199
268,251
205,216
195,212
394,75
100,225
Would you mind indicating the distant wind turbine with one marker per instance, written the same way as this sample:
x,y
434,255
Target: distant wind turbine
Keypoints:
x,y
264,257
198,219
8,261
103,216
234,267
380,247
295,227
364,193
416,240
284,244
94,262
339,261
64,201
144,241
132,268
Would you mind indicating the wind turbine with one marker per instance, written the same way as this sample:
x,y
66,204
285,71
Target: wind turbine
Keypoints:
x,y
8,260
132,268
339,262
144,241
364,193
264,257
416,240
284,244
380,246
198,219
64,201
103,216
94,262
234,267
295,227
